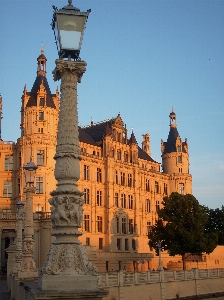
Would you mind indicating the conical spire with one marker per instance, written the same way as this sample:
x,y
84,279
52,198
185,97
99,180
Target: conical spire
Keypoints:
x,y
132,138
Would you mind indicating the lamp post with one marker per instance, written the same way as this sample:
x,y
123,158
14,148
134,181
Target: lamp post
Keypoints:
x,y
19,235
28,268
67,267
160,267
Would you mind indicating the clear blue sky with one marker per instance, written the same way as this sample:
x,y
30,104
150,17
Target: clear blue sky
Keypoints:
x,y
143,57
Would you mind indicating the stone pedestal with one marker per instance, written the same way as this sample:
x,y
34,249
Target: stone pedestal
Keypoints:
x,y
35,293
68,283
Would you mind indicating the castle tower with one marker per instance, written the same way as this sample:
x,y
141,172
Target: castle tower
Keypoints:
x,y
39,121
175,159
146,143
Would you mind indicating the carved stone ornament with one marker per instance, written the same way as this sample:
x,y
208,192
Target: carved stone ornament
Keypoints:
x,y
66,210
20,216
68,259
19,254
28,246
69,67
28,265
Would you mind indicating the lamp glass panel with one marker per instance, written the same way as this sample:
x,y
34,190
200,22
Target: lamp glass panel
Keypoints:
x,y
30,176
70,29
70,39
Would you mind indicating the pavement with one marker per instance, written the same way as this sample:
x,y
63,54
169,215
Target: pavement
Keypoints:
x,y
4,294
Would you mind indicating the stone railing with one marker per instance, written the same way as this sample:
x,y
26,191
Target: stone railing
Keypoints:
x,y
7,216
120,278
36,216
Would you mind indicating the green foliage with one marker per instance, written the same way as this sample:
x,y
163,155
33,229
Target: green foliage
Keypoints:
x,y
215,223
181,227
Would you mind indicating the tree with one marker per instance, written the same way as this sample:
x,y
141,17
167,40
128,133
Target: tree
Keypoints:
x,y
181,227
215,222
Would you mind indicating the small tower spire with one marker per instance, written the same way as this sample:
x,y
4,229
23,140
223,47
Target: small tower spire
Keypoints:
x,y
42,49
41,62
172,117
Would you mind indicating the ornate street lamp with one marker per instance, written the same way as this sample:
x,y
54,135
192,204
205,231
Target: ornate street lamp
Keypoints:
x,y
19,235
67,267
30,172
28,268
68,24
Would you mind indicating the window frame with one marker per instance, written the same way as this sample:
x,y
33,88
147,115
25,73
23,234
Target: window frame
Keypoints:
x,y
8,164
39,185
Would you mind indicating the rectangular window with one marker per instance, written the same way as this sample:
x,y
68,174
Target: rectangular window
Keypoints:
x,y
8,162
86,172
99,198
99,224
116,200
41,115
133,244
125,157
130,201
122,178
181,188
165,189
100,243
117,225
157,205
126,244
99,175
86,196
124,226
179,159
87,241
118,244
148,208
39,185
131,226
116,177
40,157
130,180
178,148
148,227
86,223
118,154
41,101
39,208
147,185
123,200
156,187
7,190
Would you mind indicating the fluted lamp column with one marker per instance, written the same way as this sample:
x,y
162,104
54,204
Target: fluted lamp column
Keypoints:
x,y
19,235
28,268
67,267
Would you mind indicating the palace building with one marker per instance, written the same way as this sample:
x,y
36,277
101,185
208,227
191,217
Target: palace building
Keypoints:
x,y
123,186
